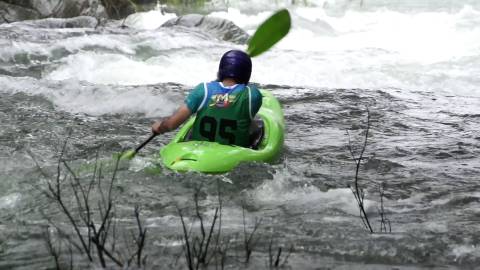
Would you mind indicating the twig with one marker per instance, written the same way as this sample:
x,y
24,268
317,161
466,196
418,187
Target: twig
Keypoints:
x,y
198,251
32,156
248,244
63,234
198,254
55,193
270,254
218,249
357,191
55,253
98,234
290,251
383,217
188,254
207,244
141,236
70,251
278,256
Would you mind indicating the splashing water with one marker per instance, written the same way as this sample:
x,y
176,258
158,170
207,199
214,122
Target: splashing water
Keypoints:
x,y
415,64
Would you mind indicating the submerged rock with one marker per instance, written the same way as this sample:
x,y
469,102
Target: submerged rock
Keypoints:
x,y
221,28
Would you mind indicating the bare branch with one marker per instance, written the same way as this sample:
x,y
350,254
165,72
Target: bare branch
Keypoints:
x,y
141,236
207,244
357,192
188,254
54,252
202,227
290,251
248,244
55,192
44,174
381,211
64,234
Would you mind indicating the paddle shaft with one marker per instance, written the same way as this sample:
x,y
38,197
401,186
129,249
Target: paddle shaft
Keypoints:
x,y
145,142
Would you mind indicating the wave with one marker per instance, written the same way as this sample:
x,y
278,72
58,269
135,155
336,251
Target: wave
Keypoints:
x,y
383,49
79,97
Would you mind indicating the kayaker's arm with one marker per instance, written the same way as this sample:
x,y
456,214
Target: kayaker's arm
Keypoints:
x,y
173,121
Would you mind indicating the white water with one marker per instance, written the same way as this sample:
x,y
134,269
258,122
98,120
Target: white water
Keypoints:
x,y
382,49
428,57
368,48
77,97
376,48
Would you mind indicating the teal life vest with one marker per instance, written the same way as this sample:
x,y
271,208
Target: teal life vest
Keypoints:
x,y
224,115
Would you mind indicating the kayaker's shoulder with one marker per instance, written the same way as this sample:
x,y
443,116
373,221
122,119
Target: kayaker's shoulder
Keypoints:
x,y
255,92
195,98
254,88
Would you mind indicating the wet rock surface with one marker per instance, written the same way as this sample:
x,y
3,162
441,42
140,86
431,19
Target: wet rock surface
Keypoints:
x,y
220,28
12,11
77,22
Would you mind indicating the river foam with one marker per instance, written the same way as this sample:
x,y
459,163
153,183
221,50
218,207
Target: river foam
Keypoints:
x,y
78,97
431,51
415,70
377,48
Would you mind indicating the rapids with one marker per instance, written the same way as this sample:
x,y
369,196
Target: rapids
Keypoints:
x,y
414,64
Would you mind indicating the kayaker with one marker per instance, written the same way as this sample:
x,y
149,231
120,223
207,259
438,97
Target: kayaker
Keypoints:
x,y
224,108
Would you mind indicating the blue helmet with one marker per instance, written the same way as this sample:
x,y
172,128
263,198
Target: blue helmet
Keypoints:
x,y
235,64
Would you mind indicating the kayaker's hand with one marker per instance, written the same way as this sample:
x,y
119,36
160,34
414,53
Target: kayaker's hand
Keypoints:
x,y
172,122
157,127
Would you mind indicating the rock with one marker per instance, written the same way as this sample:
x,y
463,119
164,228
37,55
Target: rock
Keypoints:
x,y
119,9
77,22
96,10
69,8
221,28
12,13
46,8
18,10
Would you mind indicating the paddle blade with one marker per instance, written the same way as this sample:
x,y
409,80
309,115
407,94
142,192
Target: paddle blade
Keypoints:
x,y
269,32
128,155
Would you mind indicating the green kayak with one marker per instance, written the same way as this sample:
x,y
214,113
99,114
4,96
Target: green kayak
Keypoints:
x,y
211,157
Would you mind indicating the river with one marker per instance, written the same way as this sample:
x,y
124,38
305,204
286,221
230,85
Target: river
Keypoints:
x,y
414,64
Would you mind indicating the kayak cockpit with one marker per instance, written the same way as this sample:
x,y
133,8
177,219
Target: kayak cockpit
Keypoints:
x,y
256,134
266,141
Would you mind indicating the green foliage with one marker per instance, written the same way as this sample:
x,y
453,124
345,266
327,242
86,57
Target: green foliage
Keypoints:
x,y
269,33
